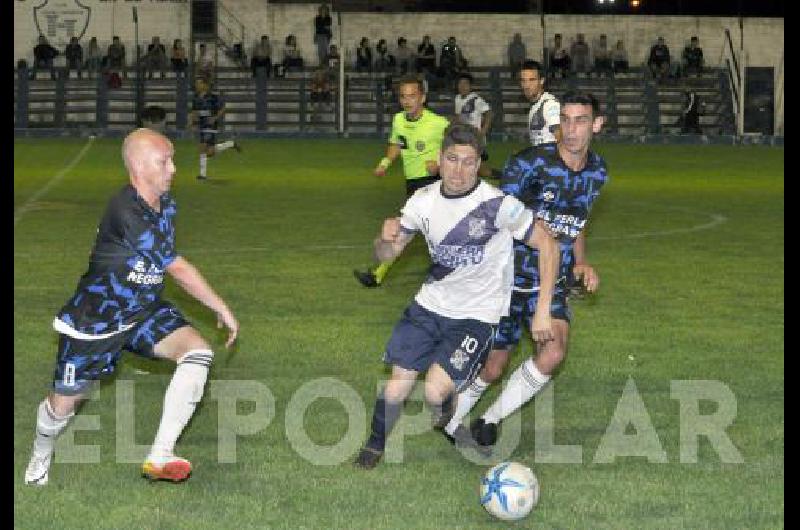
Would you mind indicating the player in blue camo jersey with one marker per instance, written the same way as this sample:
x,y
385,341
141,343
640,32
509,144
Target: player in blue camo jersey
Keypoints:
x,y
207,109
559,182
117,305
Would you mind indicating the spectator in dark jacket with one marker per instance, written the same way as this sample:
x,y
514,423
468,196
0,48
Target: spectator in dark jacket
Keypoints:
x,y
364,56
693,57
659,60
43,55
322,33
74,55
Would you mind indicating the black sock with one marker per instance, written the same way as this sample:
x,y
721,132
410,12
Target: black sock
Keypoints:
x,y
383,419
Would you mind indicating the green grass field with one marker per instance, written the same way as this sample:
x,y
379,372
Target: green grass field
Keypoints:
x,y
688,242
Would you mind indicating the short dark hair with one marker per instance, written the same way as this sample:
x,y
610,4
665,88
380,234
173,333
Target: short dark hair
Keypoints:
x,y
411,80
463,134
530,64
581,98
465,75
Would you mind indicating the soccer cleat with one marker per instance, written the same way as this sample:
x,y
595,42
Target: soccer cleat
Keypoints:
x,y
463,439
202,177
172,468
366,278
441,416
36,474
237,146
368,458
484,433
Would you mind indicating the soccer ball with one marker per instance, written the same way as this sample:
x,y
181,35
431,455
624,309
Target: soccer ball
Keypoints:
x,y
509,491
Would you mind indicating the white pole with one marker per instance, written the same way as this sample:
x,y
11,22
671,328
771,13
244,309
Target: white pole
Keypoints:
x,y
341,74
743,68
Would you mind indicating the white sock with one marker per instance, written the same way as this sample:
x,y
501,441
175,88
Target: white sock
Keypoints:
x,y
220,147
466,401
203,164
524,383
183,394
48,427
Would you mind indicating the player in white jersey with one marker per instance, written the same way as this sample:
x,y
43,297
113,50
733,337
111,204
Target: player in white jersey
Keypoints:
x,y
447,330
471,108
543,117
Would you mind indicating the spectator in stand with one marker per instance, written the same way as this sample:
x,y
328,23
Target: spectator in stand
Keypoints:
x,y
693,57
559,58
204,65
322,32
332,60
43,55
291,55
262,56
178,58
74,55
156,58
516,54
364,56
426,56
403,56
658,62
579,52
689,119
451,61
619,58
384,62
602,57
115,57
93,57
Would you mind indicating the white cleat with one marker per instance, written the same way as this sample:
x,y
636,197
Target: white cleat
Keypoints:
x,y
38,468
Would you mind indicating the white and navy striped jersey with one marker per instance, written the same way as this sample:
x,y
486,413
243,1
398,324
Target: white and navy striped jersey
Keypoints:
x,y
470,240
543,119
471,108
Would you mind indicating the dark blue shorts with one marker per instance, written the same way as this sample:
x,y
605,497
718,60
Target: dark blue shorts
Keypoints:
x,y
80,362
208,138
520,313
423,338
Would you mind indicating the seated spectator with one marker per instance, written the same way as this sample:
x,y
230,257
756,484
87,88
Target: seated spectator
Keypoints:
x,y
693,57
43,55
320,86
579,53
516,53
74,54
658,62
619,58
178,58
156,58
332,59
154,117
451,61
559,58
403,56
364,56
93,58
426,55
384,62
204,64
602,57
262,56
115,57
291,55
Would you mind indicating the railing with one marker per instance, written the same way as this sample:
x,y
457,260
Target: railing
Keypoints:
x,y
230,31
736,70
779,98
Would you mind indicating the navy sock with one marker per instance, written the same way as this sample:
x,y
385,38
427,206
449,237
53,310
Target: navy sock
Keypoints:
x,y
383,419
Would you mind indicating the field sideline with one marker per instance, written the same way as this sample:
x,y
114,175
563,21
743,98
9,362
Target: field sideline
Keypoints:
x,y
688,242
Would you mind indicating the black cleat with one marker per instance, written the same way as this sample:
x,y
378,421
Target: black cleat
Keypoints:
x,y
441,416
237,146
484,433
463,439
202,177
368,458
366,278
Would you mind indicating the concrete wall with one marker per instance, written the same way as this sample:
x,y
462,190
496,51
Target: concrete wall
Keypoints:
x,y
484,38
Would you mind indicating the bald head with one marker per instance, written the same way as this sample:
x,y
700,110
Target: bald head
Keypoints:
x,y
148,158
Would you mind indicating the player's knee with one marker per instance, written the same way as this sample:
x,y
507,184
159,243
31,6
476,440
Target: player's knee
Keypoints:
x,y
495,365
394,392
437,389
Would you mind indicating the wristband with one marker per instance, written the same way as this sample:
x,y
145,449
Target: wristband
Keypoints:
x,y
385,162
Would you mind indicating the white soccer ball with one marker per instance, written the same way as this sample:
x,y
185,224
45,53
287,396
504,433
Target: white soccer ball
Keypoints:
x,y
509,491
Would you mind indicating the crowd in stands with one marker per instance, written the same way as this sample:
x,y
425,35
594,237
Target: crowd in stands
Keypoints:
x,y
581,57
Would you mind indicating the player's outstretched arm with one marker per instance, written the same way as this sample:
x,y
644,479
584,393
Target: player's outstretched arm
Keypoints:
x,y
392,240
582,270
392,152
190,279
549,261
